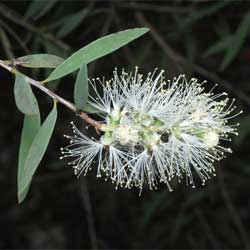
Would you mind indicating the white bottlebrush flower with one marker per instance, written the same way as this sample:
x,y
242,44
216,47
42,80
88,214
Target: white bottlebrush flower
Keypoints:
x,y
154,130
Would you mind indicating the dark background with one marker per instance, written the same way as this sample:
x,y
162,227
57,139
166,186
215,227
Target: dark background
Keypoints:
x,y
61,211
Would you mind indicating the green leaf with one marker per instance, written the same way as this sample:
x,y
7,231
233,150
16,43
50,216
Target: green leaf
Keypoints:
x,y
219,46
72,22
31,125
81,90
39,61
95,50
237,42
37,150
24,97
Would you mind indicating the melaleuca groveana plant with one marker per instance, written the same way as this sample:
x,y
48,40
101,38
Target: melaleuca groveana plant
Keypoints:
x,y
151,130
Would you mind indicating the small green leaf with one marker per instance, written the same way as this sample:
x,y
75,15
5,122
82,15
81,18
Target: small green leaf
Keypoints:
x,y
31,125
39,61
95,50
72,22
81,90
237,41
37,150
24,97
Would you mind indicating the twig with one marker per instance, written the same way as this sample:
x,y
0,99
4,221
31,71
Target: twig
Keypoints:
x,y
181,60
97,125
84,194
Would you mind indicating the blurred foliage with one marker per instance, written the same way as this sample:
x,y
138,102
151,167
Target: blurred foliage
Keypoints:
x,y
205,39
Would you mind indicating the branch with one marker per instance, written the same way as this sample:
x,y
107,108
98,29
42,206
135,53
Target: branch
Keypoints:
x,y
97,125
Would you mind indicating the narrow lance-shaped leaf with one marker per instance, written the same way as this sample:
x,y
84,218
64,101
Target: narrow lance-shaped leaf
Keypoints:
x,y
38,61
24,97
31,125
95,50
81,89
37,150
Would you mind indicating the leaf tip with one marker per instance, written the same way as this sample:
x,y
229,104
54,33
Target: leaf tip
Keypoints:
x,y
20,197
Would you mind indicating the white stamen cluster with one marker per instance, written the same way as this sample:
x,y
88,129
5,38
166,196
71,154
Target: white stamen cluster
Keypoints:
x,y
154,130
